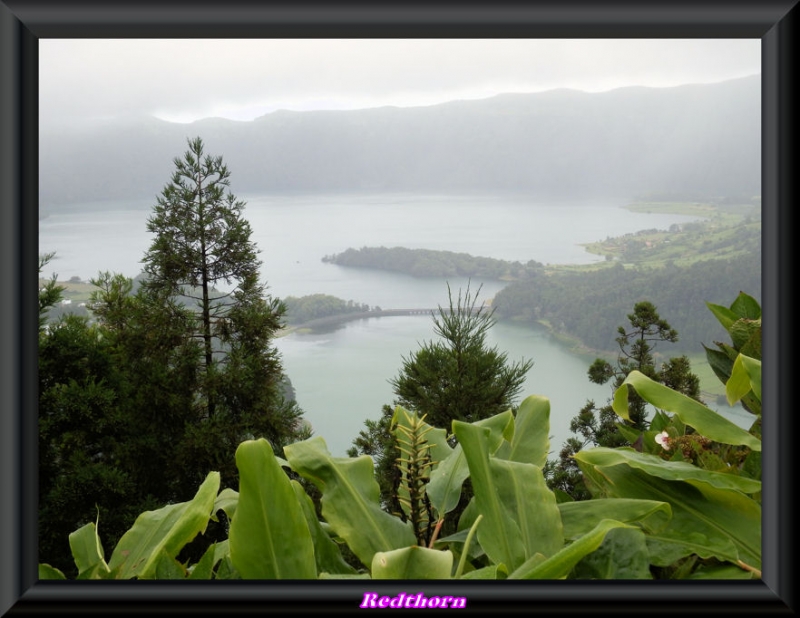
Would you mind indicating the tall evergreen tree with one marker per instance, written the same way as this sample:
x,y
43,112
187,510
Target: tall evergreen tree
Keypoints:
x,y
202,257
201,241
174,375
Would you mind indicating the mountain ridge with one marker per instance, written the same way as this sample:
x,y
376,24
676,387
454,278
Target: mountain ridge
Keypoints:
x,y
694,138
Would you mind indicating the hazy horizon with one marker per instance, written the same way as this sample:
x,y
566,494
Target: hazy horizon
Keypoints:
x,y
90,81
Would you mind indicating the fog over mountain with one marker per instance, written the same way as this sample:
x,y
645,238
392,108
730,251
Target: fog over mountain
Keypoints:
x,y
702,139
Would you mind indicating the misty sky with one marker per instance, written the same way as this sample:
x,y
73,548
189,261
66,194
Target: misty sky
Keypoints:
x,y
182,80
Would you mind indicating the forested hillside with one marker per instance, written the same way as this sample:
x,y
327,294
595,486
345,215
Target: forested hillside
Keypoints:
x,y
676,269
431,263
591,305
703,138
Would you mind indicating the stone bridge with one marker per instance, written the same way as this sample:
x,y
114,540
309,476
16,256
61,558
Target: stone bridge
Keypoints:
x,y
360,315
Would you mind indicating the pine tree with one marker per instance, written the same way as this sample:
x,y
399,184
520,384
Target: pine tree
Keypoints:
x,y
459,377
602,427
202,258
201,241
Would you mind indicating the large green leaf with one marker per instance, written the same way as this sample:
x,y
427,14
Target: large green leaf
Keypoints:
x,y
669,470
707,519
745,376
168,528
520,514
724,315
582,516
622,555
531,440
87,551
444,487
691,412
560,564
412,563
269,536
326,552
747,307
500,536
350,499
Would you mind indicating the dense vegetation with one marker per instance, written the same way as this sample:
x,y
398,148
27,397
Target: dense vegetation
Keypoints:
x,y
164,382
600,426
302,309
675,269
430,263
456,376
656,511
171,403
561,300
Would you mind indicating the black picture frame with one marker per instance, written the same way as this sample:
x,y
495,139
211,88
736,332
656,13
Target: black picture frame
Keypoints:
x,y
23,23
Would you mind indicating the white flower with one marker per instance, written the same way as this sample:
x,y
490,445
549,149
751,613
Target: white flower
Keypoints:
x,y
663,440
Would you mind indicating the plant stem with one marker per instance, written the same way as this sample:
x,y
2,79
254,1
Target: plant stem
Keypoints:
x,y
435,532
747,567
463,560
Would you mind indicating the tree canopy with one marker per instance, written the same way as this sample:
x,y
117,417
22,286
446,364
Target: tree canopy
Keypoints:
x,y
167,379
459,377
602,427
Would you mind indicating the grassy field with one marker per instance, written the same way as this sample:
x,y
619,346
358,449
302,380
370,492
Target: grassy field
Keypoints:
x,y
77,292
732,211
725,231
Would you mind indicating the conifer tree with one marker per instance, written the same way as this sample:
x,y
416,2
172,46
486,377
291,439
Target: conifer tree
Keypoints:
x,y
456,377
201,241
202,258
601,427
459,377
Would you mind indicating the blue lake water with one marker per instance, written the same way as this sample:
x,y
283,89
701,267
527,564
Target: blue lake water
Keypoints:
x,y
341,377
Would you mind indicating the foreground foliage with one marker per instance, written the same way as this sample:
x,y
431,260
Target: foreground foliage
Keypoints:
x,y
650,517
601,426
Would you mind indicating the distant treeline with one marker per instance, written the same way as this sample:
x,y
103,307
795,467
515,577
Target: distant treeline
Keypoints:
x,y
589,305
430,263
592,305
300,310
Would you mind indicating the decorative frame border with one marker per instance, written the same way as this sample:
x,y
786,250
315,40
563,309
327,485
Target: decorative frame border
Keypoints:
x,y
24,22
